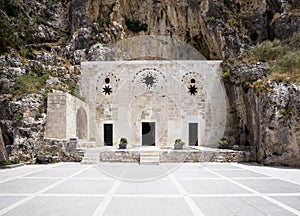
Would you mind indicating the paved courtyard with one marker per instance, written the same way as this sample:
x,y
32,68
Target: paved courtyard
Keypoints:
x,y
134,190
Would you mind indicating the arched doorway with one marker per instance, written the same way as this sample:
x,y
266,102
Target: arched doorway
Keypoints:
x,y
81,124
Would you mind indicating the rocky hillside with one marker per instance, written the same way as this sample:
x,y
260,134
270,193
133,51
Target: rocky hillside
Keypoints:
x,y
43,42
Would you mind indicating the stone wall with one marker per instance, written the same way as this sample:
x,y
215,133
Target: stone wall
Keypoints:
x,y
167,101
64,118
178,156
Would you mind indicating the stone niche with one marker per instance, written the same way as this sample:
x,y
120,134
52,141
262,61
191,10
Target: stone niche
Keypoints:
x,y
149,102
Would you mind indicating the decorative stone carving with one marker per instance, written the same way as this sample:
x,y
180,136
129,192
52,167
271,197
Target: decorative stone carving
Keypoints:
x,y
150,79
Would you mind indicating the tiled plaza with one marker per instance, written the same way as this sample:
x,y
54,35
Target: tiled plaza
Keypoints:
x,y
167,189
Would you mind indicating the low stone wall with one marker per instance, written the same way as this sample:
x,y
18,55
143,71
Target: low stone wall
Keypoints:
x,y
175,156
120,156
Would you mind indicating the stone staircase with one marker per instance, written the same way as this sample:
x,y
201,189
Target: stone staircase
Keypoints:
x,y
149,156
91,156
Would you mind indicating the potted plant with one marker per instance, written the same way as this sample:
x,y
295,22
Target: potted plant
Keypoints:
x,y
178,144
123,143
223,144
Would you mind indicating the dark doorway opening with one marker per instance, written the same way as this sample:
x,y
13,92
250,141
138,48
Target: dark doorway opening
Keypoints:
x,y
148,133
108,134
193,134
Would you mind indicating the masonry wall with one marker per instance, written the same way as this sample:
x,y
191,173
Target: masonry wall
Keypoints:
x,y
167,102
61,115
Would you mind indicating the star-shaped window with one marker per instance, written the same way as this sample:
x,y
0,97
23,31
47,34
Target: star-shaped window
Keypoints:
x,y
149,80
107,90
192,89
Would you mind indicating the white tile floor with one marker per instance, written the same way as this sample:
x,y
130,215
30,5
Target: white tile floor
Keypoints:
x,y
167,189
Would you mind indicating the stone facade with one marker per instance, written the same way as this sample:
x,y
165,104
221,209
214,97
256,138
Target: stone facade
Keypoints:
x,y
170,94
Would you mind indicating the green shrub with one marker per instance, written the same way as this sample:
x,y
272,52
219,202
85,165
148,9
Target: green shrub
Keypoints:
x,y
223,144
289,63
18,117
212,19
293,42
228,3
268,50
10,162
179,141
9,38
29,83
12,8
41,20
103,21
123,141
226,76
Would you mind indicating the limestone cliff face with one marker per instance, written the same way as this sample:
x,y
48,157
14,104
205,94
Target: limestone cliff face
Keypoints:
x,y
265,118
218,29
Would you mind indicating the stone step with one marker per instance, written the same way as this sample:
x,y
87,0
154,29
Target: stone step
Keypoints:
x,y
149,158
90,157
149,163
90,160
148,154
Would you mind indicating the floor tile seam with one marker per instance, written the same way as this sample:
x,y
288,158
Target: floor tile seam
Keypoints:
x,y
181,195
70,195
202,168
281,194
33,195
189,201
236,178
82,178
250,194
109,195
60,181
40,177
274,177
234,182
148,195
151,195
280,204
30,173
15,194
197,178
15,204
101,208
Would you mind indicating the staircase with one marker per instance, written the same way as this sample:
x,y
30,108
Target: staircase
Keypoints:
x,y
91,156
149,156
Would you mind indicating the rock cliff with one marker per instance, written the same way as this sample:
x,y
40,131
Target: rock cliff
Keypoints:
x,y
264,114
43,42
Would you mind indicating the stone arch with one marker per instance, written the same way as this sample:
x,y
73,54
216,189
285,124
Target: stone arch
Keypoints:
x,y
81,124
157,107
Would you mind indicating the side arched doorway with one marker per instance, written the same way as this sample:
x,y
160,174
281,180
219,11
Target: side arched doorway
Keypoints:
x,y
81,124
